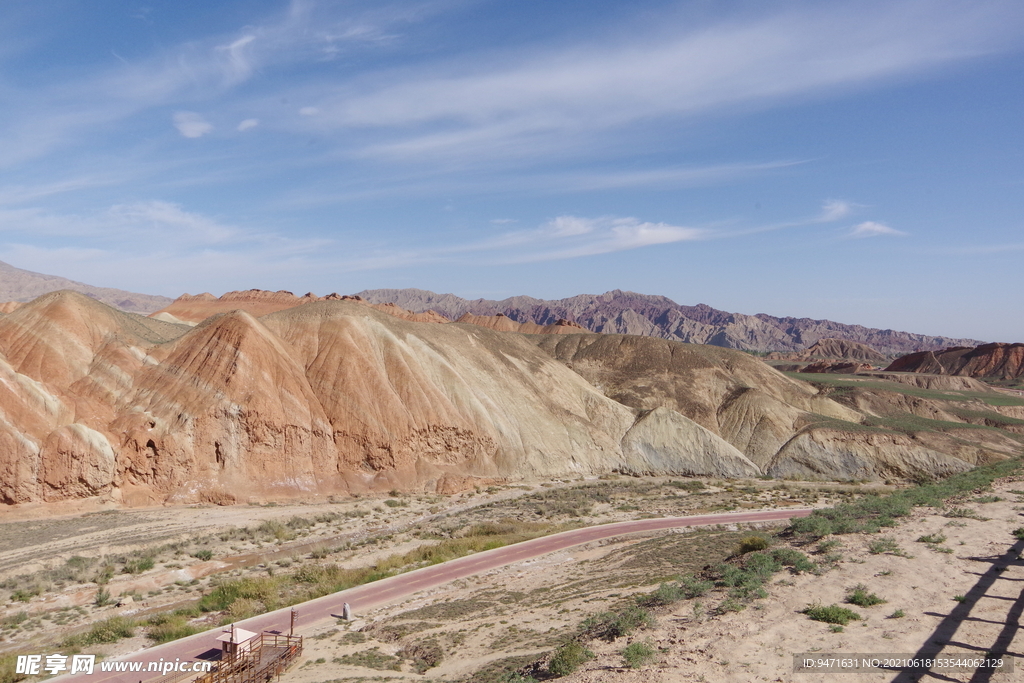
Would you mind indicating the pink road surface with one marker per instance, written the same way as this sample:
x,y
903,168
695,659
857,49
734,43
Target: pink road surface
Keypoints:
x,y
371,595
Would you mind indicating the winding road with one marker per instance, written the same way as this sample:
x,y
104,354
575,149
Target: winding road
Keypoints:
x,y
368,596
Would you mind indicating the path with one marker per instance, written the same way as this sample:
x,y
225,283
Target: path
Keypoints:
x,y
367,596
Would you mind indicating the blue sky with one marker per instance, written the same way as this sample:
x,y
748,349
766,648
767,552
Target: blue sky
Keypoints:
x,y
859,161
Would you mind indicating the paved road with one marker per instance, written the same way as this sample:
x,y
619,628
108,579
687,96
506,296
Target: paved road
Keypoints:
x,y
368,596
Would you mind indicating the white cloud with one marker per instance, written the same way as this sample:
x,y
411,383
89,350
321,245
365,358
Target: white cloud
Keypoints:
x,y
191,124
238,63
146,228
547,101
873,229
567,237
53,114
248,124
309,111
834,209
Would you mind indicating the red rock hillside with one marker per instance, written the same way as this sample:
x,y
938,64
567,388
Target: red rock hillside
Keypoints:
x,y
318,398
998,361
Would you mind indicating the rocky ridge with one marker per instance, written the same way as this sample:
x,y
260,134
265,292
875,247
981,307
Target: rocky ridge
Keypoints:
x,y
191,308
833,349
619,312
502,323
997,361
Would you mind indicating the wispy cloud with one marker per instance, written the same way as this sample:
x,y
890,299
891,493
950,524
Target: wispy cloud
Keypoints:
x,y
248,124
542,182
153,226
55,113
574,236
23,193
562,238
834,210
489,106
191,124
873,229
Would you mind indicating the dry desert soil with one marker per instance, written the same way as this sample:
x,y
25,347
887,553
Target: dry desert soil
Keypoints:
x,y
957,595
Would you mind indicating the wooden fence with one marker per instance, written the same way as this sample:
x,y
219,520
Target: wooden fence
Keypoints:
x,y
264,658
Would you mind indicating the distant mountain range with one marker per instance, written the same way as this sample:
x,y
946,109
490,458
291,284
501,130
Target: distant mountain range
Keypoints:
x,y
24,285
612,312
658,316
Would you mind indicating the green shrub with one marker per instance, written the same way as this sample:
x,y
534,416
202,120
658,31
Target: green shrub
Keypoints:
x,y
692,485
731,605
14,619
666,594
107,631
516,677
8,667
898,614
568,658
137,565
752,544
693,587
274,529
612,625
859,596
630,619
102,598
883,545
165,628
264,589
932,538
789,557
1019,532
638,654
831,614
828,546
205,554
871,513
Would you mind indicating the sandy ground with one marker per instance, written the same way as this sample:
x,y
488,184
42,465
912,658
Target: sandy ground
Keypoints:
x,y
35,541
523,609
758,643
498,615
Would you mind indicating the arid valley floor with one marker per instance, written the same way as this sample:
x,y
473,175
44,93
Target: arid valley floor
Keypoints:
x,y
484,627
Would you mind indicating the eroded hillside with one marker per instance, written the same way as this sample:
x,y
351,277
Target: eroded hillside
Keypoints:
x,y
333,396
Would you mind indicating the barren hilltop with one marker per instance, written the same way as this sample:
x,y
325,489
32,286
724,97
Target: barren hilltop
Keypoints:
x,y
307,397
